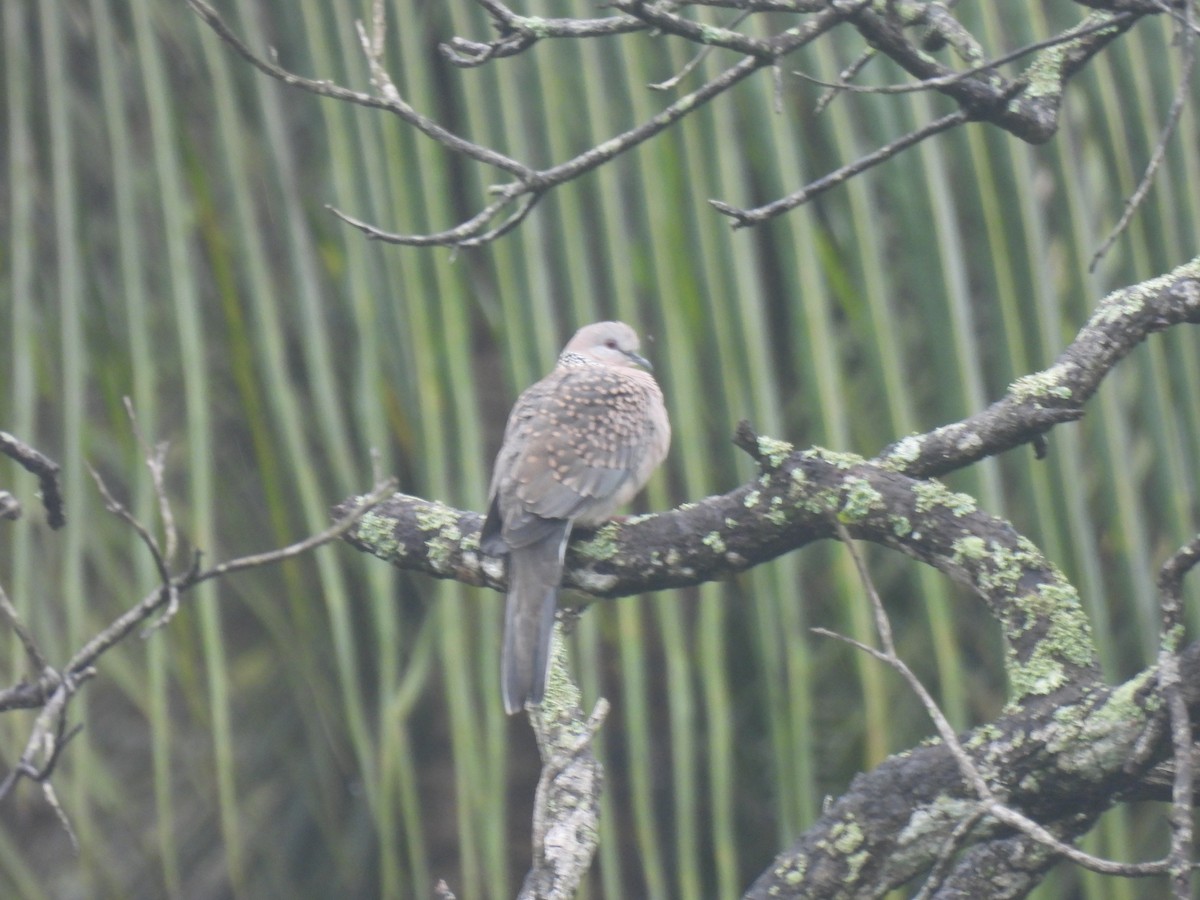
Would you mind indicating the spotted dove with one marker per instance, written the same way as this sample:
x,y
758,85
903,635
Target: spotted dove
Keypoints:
x,y
578,445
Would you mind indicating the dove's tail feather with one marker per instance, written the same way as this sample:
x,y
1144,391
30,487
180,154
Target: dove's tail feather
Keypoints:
x,y
534,574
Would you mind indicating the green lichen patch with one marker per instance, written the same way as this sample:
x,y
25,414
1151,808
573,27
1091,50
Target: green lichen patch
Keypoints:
x,y
379,534
604,544
903,452
1045,74
1067,640
846,836
934,821
969,548
442,547
437,517
538,27
1172,640
776,514
1091,739
795,871
714,541
861,500
1049,383
774,451
839,460
1123,303
593,582
933,494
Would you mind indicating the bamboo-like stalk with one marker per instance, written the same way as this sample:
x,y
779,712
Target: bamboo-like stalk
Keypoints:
x,y
170,243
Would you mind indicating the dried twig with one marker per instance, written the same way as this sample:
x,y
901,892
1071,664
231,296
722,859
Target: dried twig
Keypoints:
x,y
992,98
9,611
46,469
156,462
1183,93
54,689
744,217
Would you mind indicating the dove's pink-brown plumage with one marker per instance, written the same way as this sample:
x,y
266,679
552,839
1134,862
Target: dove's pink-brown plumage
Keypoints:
x,y
579,444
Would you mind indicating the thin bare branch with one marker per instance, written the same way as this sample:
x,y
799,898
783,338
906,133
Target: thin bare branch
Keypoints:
x,y
156,462
36,659
518,33
366,503
46,470
658,16
744,217
48,736
1183,93
689,67
530,184
470,233
118,509
126,623
395,105
53,691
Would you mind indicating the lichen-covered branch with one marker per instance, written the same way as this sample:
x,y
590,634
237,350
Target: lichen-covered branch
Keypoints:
x,y
566,829
1060,761
790,504
1036,403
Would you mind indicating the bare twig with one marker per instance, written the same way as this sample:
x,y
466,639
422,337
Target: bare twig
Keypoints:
x,y
126,623
470,233
530,184
744,217
169,588
672,82
1183,93
46,470
991,98
396,105
47,739
156,462
519,33
53,690
118,509
23,634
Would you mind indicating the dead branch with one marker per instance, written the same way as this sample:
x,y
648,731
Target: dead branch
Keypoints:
x,y
908,33
52,690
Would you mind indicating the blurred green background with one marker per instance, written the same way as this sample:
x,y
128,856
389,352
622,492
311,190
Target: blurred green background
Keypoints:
x,y
331,728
